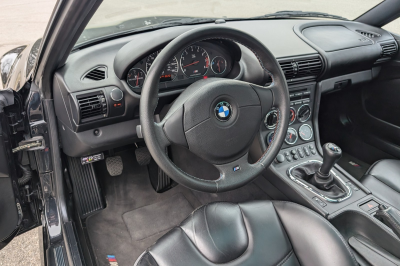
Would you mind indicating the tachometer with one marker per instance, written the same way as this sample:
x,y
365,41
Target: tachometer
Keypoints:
x,y
194,61
170,71
136,77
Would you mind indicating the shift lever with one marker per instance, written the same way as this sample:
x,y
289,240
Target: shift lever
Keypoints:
x,y
332,154
323,178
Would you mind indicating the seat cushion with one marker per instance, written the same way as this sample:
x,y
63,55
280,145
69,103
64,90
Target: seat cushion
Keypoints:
x,y
253,233
383,180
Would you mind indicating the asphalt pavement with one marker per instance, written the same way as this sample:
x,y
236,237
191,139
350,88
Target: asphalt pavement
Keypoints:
x,y
24,21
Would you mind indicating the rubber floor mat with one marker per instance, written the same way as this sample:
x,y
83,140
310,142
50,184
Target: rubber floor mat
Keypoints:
x,y
353,166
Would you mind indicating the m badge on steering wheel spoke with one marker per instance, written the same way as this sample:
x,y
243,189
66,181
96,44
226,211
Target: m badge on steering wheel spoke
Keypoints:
x,y
223,111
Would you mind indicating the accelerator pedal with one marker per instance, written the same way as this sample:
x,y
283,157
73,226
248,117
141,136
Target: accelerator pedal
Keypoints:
x,y
86,189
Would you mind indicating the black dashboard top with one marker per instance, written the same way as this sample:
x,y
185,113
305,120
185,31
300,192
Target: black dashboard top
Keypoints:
x,y
335,47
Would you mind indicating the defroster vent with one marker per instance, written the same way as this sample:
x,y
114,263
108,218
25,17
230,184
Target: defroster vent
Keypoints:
x,y
96,74
92,106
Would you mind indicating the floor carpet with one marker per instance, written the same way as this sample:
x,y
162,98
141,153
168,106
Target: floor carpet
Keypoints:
x,y
136,216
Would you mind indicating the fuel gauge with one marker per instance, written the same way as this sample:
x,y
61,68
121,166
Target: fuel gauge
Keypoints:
x,y
218,65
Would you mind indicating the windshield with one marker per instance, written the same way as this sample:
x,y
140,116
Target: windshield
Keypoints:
x,y
118,16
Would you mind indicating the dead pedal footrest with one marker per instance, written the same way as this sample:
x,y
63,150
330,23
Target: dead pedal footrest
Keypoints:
x,y
86,189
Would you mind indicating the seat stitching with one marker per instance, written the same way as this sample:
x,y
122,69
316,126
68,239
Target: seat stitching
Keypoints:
x,y
286,258
208,230
326,222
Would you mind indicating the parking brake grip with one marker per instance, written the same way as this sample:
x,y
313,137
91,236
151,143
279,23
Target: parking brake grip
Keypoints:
x,y
390,217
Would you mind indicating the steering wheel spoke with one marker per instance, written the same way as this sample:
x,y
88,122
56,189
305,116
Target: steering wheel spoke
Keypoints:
x,y
162,138
236,173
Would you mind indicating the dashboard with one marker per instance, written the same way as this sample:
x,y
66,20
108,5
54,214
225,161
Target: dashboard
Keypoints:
x,y
198,61
97,92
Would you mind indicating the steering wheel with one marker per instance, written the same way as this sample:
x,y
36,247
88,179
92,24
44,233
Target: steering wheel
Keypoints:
x,y
215,118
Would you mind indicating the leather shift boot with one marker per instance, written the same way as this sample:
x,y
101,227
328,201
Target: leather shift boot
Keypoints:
x,y
330,187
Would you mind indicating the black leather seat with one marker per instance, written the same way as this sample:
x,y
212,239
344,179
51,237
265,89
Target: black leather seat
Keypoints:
x,y
383,180
254,233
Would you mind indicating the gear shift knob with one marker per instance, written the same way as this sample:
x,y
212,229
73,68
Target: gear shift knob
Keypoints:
x,y
332,154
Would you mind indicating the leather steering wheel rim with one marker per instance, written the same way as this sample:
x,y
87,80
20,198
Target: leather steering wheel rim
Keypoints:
x,y
157,135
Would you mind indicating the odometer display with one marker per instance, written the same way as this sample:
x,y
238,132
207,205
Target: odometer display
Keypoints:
x,y
194,61
136,77
170,71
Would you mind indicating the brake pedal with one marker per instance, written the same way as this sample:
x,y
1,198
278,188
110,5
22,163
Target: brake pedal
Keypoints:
x,y
114,165
143,156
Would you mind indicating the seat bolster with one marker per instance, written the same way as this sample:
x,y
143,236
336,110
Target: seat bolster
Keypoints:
x,y
387,171
305,228
381,190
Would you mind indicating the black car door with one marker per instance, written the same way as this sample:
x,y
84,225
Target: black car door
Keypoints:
x,y
18,208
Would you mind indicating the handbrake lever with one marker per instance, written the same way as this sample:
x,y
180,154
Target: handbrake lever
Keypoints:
x,y
390,217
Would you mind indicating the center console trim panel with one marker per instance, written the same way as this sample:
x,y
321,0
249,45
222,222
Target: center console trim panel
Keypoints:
x,y
304,185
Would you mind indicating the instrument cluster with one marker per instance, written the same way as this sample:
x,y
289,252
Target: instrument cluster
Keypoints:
x,y
198,61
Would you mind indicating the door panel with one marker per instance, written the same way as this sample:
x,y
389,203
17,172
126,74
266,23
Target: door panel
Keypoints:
x,y
8,209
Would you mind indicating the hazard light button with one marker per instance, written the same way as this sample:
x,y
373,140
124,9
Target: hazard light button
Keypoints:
x,y
370,206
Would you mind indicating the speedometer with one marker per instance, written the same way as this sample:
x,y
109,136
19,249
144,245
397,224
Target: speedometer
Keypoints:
x,y
170,71
195,61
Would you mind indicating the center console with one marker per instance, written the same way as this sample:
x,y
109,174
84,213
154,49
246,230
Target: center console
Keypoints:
x,y
305,171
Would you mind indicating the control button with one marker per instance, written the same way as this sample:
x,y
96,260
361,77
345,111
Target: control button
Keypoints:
x,y
297,102
286,153
311,147
295,157
307,153
319,201
305,149
307,93
293,152
280,158
370,206
306,101
313,152
116,94
291,95
298,94
298,150
301,155
288,158
291,103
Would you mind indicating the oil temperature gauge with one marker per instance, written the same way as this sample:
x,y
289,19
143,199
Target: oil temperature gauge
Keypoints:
x,y
136,77
291,136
